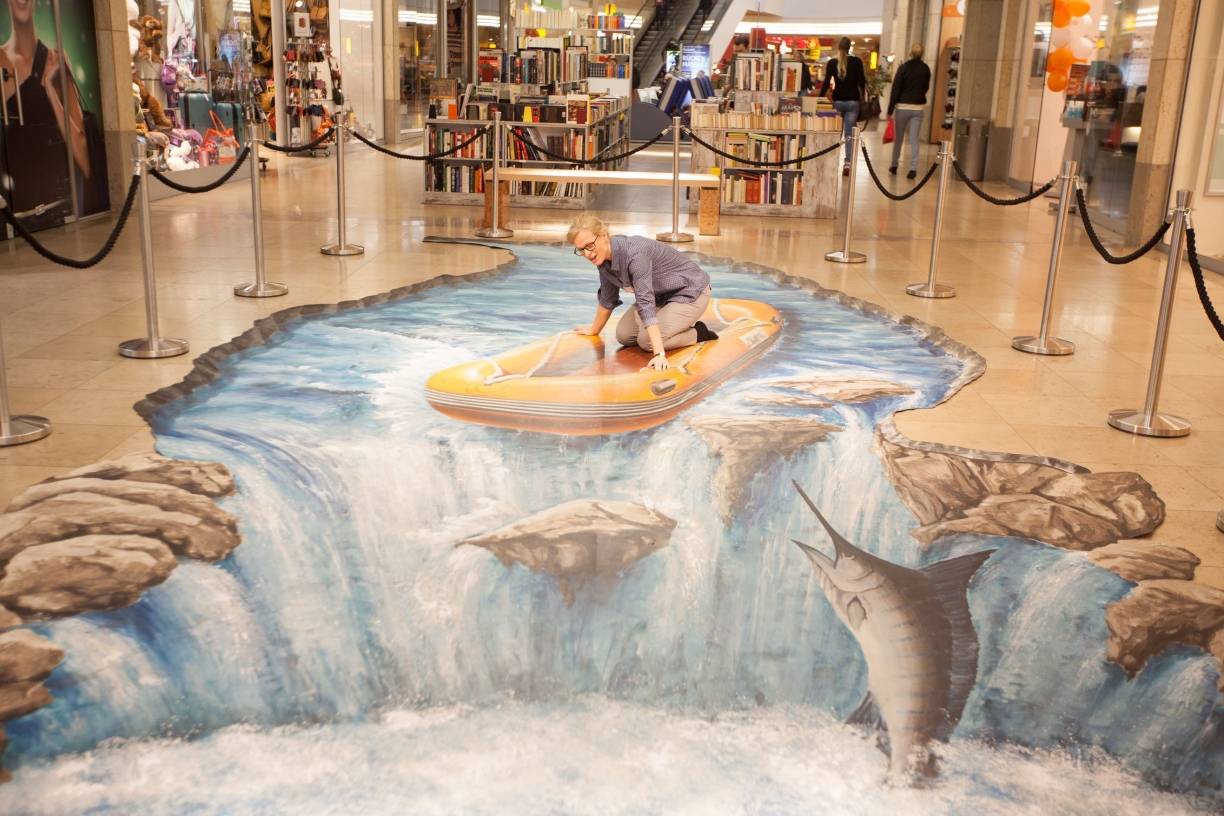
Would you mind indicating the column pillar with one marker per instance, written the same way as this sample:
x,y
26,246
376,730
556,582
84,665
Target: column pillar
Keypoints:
x,y
441,46
115,86
1162,116
391,70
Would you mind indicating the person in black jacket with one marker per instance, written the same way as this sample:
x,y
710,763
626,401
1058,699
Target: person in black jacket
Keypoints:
x,y
849,82
908,100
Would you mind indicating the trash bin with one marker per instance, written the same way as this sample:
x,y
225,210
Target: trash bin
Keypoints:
x,y
971,135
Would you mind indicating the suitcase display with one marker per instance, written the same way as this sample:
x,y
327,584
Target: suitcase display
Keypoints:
x,y
195,107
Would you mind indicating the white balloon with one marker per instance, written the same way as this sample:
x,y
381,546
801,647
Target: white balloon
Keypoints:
x,y
1082,48
1083,26
1060,37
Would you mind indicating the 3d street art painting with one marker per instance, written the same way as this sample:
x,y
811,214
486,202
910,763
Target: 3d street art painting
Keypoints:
x,y
351,582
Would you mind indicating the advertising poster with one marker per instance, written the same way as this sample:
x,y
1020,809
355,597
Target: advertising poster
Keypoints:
x,y
695,60
51,138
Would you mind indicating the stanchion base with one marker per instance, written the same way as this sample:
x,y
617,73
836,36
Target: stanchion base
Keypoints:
x,y
494,232
674,237
837,256
23,429
261,290
145,349
925,290
1132,421
342,249
1053,346
1220,521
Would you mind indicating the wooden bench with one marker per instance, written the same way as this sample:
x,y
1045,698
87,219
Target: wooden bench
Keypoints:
x,y
708,185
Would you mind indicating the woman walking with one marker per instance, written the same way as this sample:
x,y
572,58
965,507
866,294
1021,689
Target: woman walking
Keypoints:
x,y
908,99
849,82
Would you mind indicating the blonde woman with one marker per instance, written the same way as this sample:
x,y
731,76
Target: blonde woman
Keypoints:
x,y
671,291
908,101
849,80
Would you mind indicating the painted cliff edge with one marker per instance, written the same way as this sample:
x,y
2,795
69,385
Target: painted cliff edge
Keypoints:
x,y
1109,516
93,540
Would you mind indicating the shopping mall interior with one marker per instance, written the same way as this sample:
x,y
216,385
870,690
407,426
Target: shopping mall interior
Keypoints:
x,y
888,475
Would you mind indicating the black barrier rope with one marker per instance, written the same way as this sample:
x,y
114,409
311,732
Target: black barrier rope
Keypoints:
x,y
427,157
94,259
1002,202
327,134
894,196
1147,246
1201,285
182,188
599,159
750,162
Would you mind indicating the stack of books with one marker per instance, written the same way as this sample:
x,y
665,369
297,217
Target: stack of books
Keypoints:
x,y
762,187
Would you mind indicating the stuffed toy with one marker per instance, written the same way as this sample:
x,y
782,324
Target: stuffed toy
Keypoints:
x,y
133,11
151,38
178,157
152,104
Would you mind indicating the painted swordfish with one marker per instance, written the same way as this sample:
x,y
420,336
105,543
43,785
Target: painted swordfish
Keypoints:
x,y
917,637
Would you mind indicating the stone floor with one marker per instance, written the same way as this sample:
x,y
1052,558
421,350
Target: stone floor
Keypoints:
x,y
61,326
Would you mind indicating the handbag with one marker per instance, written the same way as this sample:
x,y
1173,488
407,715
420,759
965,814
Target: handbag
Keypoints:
x,y
890,131
871,108
219,141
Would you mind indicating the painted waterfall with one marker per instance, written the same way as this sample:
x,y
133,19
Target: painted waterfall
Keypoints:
x,y
353,654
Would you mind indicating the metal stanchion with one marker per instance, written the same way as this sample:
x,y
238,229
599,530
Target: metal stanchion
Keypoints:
x,y
845,255
495,228
342,246
1220,521
17,430
931,289
1148,422
154,345
1043,343
675,236
262,287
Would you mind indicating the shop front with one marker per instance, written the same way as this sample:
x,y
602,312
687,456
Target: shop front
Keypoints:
x,y
1097,116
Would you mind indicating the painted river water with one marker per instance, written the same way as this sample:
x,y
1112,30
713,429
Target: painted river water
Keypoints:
x,y
349,657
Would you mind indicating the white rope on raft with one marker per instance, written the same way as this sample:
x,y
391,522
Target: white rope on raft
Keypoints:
x,y
499,375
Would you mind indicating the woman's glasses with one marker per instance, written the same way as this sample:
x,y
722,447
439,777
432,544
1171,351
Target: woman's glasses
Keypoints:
x,y
586,250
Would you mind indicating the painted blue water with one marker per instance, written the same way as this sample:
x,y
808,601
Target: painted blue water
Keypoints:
x,y
348,599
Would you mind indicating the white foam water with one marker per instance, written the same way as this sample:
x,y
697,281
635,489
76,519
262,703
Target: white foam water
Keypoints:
x,y
591,755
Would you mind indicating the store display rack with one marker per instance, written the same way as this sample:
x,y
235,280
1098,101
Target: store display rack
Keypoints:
x,y
797,191
459,179
312,83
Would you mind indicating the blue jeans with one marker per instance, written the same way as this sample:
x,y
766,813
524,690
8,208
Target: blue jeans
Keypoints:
x,y
906,123
850,114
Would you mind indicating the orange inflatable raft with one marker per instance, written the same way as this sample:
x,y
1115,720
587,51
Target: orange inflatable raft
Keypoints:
x,y
576,385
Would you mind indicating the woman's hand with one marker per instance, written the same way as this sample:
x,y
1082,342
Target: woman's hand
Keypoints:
x,y
658,362
586,331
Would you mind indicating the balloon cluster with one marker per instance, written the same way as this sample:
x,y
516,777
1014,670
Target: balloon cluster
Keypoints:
x,y
1072,40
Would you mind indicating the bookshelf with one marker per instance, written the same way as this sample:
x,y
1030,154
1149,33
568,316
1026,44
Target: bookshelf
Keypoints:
x,y
588,127
601,56
798,191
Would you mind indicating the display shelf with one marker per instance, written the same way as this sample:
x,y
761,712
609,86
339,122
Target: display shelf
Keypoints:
x,y
809,191
460,181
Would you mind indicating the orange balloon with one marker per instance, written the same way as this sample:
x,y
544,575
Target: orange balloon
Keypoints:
x,y
1056,82
1060,4
1059,61
1061,17
1078,8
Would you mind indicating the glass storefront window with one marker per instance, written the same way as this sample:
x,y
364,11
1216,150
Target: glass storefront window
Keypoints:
x,y
416,22
1114,92
1098,120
